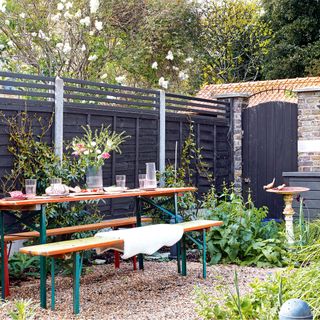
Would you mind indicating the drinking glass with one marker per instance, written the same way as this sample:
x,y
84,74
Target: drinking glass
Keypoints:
x,y
31,187
54,181
142,180
121,181
151,179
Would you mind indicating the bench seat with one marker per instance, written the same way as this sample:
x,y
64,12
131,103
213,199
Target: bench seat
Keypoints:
x,y
62,248
113,223
69,246
197,225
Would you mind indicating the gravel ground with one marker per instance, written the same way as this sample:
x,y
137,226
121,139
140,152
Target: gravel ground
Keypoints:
x,y
158,292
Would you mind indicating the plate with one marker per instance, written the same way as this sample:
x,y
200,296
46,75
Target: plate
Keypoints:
x,y
37,197
57,195
14,199
76,194
114,189
132,190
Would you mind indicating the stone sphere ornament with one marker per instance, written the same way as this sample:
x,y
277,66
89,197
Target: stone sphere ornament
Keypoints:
x,y
295,309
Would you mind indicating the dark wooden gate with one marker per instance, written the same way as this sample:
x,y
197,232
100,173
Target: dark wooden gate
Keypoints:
x,y
269,148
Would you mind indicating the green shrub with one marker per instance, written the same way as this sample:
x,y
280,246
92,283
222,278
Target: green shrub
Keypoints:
x,y
22,265
191,163
266,297
23,310
244,238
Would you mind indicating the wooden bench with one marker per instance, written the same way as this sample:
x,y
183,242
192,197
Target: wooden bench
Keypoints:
x,y
64,248
114,223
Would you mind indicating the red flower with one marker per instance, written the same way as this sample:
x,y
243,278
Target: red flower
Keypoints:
x,y
105,155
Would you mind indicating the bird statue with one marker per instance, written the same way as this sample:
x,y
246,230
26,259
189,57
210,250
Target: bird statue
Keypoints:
x,y
270,185
281,187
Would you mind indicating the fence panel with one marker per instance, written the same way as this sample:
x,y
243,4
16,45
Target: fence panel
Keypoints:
x,y
129,109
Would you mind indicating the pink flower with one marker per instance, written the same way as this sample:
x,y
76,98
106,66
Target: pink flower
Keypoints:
x,y
80,145
76,153
105,155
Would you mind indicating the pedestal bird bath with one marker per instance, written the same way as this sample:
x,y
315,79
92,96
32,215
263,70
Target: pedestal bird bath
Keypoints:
x,y
288,193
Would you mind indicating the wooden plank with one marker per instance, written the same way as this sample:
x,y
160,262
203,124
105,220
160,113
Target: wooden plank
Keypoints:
x,y
142,193
112,86
25,76
189,104
153,99
193,111
26,85
63,247
199,225
124,222
179,96
26,93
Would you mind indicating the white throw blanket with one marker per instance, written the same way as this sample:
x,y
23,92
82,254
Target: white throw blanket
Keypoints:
x,y
147,239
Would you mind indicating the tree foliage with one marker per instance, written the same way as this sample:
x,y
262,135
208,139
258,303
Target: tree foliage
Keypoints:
x,y
295,49
234,41
113,41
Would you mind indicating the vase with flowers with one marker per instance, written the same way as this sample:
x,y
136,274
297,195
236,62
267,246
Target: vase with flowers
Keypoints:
x,y
93,148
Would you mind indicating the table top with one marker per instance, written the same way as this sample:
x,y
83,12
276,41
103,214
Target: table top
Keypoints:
x,y
6,204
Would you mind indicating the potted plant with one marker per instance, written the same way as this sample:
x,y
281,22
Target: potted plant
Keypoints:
x,y
93,148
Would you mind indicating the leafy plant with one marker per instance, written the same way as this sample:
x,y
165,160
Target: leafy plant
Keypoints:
x,y
191,163
266,297
23,310
243,238
22,265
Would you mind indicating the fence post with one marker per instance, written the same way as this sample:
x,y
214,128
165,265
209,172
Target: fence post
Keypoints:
x,y
58,118
162,132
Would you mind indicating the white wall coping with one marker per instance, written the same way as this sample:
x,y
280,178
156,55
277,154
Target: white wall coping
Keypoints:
x,y
228,95
308,146
307,89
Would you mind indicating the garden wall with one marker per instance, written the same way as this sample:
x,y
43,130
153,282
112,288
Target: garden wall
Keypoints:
x,y
136,111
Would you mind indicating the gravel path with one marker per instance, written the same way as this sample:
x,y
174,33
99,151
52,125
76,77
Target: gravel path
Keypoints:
x,y
158,292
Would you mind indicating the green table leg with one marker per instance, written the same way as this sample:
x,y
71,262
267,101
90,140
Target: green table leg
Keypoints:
x,y
204,253
3,292
76,282
53,300
43,263
138,215
184,256
175,199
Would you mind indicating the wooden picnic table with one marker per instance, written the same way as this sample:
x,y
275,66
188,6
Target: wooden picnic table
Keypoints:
x,y
38,205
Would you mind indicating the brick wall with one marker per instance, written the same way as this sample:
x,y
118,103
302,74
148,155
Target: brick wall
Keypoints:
x,y
238,102
309,129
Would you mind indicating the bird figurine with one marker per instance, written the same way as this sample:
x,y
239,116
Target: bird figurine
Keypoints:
x,y
281,187
270,185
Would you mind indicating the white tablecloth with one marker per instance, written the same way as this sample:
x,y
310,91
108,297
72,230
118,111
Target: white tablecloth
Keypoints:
x,y
146,240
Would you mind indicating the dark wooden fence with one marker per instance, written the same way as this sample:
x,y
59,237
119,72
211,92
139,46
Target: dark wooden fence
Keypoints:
x,y
129,109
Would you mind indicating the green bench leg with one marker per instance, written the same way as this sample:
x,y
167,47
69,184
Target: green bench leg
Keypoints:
x,y
179,256
138,216
178,245
43,264
204,253
76,282
3,291
53,299
184,256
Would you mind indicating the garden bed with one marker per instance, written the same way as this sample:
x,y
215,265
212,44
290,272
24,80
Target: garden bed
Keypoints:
x,y
156,293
